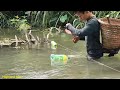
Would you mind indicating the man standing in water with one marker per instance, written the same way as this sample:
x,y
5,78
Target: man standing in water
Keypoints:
x,y
91,32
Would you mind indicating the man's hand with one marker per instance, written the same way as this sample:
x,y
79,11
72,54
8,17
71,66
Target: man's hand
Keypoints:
x,y
76,39
68,32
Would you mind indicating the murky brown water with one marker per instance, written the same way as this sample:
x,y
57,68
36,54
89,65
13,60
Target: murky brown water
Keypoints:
x,y
35,63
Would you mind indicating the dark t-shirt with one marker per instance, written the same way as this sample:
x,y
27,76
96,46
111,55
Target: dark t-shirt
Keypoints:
x,y
91,32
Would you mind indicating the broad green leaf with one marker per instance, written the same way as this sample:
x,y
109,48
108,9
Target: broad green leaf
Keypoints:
x,y
63,18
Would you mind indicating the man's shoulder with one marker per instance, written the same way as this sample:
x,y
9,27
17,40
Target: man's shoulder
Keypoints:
x,y
94,24
93,21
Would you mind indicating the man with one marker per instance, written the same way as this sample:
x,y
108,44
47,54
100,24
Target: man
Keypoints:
x,y
91,32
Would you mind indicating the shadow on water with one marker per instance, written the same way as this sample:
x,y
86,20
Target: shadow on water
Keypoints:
x,y
36,64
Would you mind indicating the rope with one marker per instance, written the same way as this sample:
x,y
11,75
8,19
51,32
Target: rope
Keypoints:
x,y
107,66
68,48
92,60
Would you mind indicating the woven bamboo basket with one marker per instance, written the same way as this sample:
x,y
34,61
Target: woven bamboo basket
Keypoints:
x,y
110,33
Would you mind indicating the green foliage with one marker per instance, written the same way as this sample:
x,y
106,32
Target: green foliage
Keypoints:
x,y
24,26
63,18
45,19
114,14
3,20
76,22
20,23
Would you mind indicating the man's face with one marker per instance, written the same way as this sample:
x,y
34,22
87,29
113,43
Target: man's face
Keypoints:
x,y
82,16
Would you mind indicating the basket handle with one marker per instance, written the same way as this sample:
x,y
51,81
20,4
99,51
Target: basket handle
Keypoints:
x,y
108,20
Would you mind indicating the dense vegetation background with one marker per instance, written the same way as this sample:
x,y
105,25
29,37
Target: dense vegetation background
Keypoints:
x,y
45,19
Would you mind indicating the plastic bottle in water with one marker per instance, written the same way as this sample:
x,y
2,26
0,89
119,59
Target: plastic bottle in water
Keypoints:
x,y
58,59
53,45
